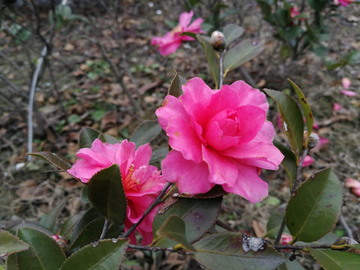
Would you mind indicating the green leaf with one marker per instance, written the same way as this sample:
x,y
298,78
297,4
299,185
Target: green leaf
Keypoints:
x,y
91,232
10,244
145,132
306,110
225,251
87,136
198,214
159,154
316,4
69,225
212,58
265,9
282,17
174,228
290,265
59,162
44,252
293,32
240,54
336,260
189,34
232,32
353,57
108,254
290,114
90,215
52,216
289,161
315,208
106,194
11,263
84,195
105,138
31,225
176,85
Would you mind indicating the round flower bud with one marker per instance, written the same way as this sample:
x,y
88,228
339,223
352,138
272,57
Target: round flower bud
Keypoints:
x,y
61,241
313,140
218,40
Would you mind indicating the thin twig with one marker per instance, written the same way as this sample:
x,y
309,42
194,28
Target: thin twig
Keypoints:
x,y
221,69
298,172
294,247
224,225
147,211
105,228
150,248
346,227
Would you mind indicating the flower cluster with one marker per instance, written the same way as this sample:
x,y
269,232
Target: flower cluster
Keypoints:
x,y
172,40
219,137
142,182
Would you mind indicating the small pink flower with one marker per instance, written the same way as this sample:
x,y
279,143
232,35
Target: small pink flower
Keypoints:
x,y
343,2
346,83
354,185
308,161
285,239
142,182
349,93
337,107
219,137
172,40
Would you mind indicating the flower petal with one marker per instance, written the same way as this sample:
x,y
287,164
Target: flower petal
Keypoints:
x,y
349,93
185,19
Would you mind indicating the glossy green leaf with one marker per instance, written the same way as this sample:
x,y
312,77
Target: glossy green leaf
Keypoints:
x,y
89,216
336,260
306,110
87,136
176,84
240,54
289,161
69,225
212,58
315,208
316,4
189,34
43,253
159,154
293,32
353,57
106,194
91,232
145,132
107,254
52,216
232,32
9,244
198,214
290,114
11,263
31,225
225,251
105,138
59,162
174,228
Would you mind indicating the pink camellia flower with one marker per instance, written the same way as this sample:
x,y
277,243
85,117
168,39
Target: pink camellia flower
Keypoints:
x,y
218,137
308,161
354,185
172,40
343,2
142,182
337,107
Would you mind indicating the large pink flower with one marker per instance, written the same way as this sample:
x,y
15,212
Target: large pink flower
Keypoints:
x,y
172,40
219,137
142,182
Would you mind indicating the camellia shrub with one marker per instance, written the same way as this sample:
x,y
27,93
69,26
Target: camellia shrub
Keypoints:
x,y
219,142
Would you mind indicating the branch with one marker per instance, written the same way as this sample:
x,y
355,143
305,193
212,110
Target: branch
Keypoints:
x,y
150,248
147,211
105,229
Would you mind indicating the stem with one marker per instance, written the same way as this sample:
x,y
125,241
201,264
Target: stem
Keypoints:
x,y
294,247
105,228
147,211
346,227
150,248
224,225
294,187
221,69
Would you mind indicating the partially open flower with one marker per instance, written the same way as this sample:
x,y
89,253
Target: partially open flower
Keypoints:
x,y
285,239
142,182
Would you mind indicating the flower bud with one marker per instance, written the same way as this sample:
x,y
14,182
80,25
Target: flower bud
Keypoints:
x,y
218,40
313,140
61,241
